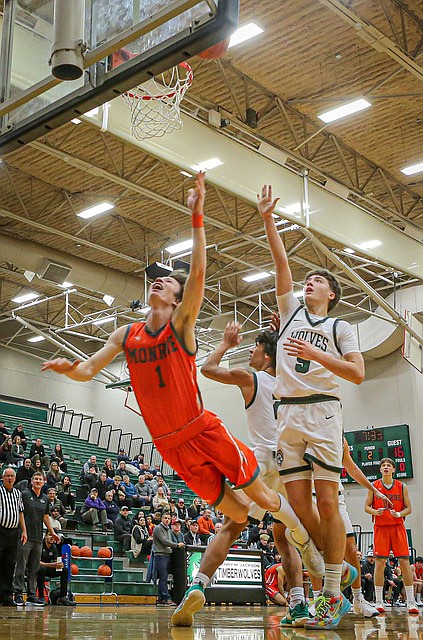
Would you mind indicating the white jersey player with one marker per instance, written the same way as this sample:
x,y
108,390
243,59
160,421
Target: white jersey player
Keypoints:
x,y
313,350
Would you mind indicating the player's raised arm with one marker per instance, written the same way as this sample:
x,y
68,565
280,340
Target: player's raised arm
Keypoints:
x,y
83,371
266,206
357,475
186,314
239,376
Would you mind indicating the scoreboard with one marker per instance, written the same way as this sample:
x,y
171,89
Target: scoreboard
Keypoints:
x,y
368,447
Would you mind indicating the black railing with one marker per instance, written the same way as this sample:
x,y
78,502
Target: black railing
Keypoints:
x,y
105,436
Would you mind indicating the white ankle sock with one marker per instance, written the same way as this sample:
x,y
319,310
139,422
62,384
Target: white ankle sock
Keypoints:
x,y
201,578
333,579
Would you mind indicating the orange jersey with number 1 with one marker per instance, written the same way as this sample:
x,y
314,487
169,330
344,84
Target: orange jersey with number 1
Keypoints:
x,y
164,378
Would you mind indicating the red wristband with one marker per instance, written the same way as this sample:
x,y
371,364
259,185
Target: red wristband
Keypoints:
x,y
197,220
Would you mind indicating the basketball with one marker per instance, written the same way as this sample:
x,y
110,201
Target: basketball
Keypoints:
x,y
74,569
216,51
86,552
104,552
104,570
76,551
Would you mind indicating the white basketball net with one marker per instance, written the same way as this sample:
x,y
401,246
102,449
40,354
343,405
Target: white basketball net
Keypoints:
x,y
155,105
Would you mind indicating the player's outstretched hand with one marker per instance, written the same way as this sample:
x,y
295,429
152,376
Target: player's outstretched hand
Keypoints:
x,y
386,502
275,322
265,203
196,196
60,365
231,335
300,349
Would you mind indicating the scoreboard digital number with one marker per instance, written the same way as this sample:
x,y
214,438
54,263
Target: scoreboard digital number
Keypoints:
x,y
368,447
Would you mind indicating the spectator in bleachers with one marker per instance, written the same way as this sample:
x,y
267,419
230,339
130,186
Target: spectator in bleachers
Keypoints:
x,y
158,481
55,519
66,495
145,470
7,457
57,456
93,511
254,533
194,508
37,466
156,470
90,478
129,488
51,567
143,492
172,509
37,451
163,546
90,463
19,431
181,509
24,475
122,528
149,524
115,486
101,485
121,469
138,461
122,499
112,510
176,531
55,503
54,477
3,432
205,525
141,540
109,468
193,537
367,576
217,528
160,500
122,456
18,451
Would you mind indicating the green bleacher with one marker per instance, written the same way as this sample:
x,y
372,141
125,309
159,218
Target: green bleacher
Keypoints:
x,y
129,574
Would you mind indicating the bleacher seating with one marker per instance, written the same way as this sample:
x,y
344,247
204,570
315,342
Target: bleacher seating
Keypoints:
x,y
129,575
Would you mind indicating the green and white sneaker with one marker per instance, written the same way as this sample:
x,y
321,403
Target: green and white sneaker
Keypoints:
x,y
296,616
193,600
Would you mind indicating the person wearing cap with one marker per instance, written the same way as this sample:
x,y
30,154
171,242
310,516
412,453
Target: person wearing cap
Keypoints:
x,y
182,510
193,537
122,528
93,511
367,576
176,531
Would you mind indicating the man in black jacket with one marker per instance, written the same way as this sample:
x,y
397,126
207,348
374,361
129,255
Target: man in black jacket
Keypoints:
x,y
122,528
367,577
19,431
193,537
37,450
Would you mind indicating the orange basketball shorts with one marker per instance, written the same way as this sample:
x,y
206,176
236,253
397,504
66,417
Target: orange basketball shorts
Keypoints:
x,y
211,455
390,538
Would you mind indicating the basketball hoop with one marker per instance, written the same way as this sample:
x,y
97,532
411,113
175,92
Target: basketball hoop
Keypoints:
x,y
155,105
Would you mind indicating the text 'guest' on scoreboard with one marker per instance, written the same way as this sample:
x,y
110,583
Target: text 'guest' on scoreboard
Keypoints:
x,y
368,447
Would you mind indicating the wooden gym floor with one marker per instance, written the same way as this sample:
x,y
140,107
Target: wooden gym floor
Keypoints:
x,y
145,622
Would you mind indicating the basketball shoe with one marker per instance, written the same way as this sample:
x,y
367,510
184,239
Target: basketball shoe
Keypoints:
x,y
193,600
296,616
311,556
329,612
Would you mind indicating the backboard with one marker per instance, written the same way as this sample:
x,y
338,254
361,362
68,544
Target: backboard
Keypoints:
x,y
159,34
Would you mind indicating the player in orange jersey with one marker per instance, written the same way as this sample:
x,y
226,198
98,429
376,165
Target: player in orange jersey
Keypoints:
x,y
389,531
161,356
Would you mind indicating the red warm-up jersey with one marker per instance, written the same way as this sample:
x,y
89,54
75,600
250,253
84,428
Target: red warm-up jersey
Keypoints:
x,y
163,377
395,493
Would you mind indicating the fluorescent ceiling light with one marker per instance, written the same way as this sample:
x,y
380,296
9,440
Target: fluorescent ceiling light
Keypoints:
x,y
185,173
66,285
109,300
103,320
76,120
206,165
291,209
412,169
348,250
36,339
96,210
180,246
26,297
244,33
257,276
345,110
370,244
